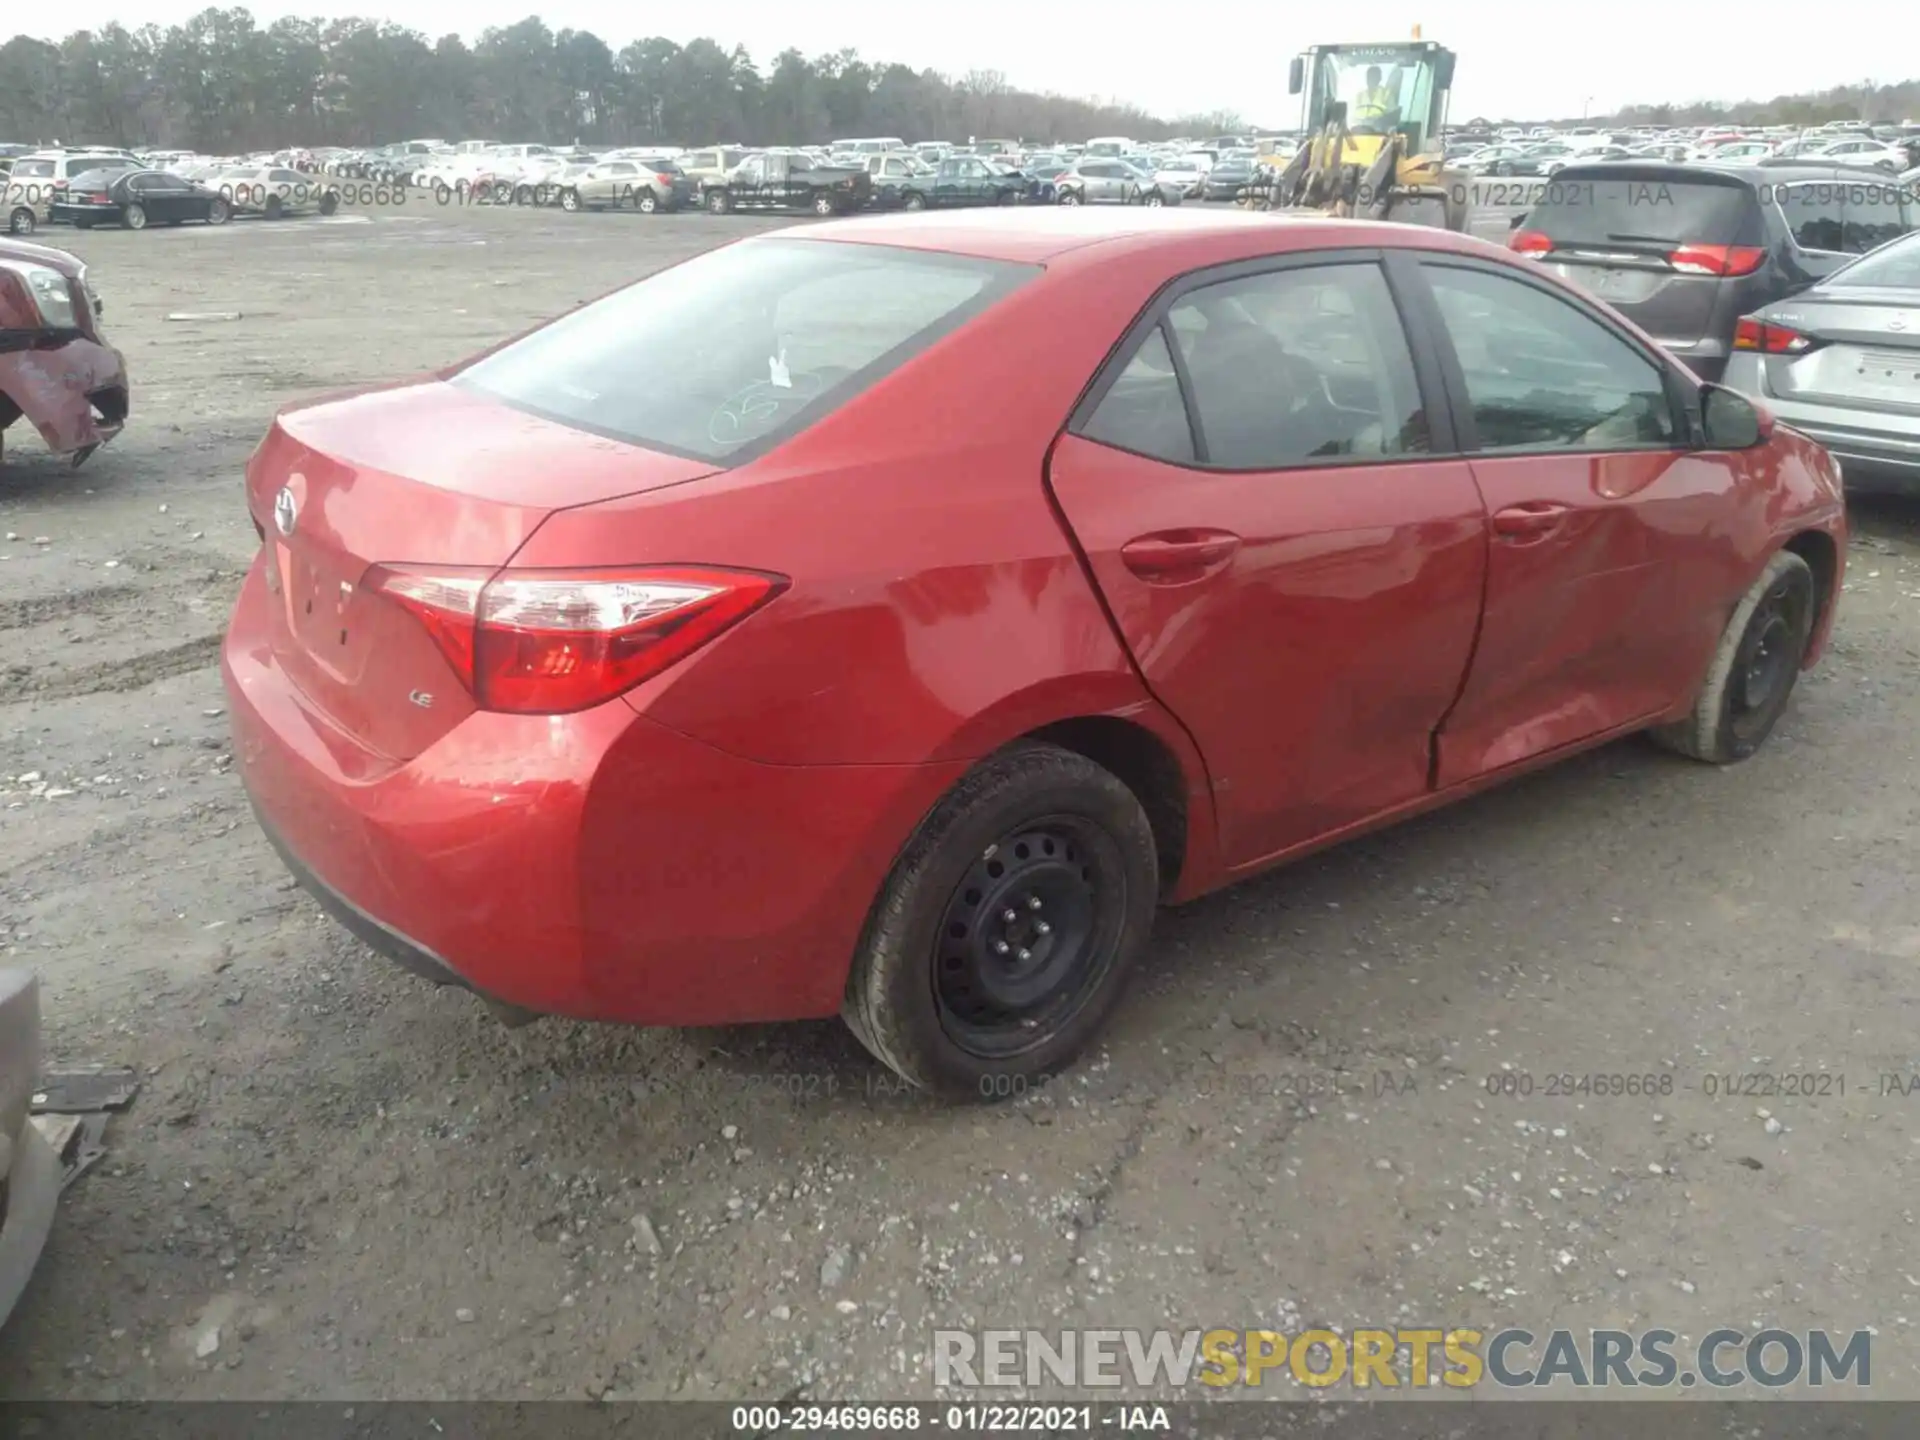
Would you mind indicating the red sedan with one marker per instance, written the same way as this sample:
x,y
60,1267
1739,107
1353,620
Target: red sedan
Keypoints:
x,y
882,617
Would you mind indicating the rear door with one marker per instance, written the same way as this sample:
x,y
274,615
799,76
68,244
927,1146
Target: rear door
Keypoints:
x,y
1602,602
1283,538
1656,245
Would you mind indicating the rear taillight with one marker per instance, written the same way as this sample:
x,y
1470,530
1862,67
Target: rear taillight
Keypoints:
x,y
547,642
663,177
1758,335
1530,242
101,199
1717,259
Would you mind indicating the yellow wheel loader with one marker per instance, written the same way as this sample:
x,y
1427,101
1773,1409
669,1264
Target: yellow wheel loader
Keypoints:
x,y
1372,119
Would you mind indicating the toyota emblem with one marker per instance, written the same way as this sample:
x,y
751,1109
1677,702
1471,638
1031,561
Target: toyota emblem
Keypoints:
x,y
286,510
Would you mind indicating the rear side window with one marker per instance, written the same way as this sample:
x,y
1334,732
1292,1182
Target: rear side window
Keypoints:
x,y
1144,411
34,169
1815,214
1647,211
1850,217
1543,375
1299,367
742,347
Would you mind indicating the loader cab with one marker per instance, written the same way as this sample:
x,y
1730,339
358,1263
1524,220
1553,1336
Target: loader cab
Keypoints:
x,y
1376,89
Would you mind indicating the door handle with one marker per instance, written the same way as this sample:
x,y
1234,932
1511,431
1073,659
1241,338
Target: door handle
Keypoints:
x,y
1179,557
1531,521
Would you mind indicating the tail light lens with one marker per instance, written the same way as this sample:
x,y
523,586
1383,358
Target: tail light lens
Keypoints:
x,y
1717,259
1758,335
663,177
1530,242
548,642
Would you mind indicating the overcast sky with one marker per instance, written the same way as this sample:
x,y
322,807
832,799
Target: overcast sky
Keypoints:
x,y
1515,59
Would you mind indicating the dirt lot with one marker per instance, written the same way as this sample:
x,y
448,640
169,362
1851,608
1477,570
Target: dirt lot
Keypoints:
x,y
364,1187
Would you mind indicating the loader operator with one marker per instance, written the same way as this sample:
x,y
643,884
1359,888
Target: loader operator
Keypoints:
x,y
1372,107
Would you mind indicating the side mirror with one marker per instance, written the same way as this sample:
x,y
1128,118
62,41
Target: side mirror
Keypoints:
x,y
1730,421
1296,75
1443,73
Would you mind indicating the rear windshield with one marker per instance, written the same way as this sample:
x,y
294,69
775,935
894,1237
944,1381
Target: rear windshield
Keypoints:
x,y
1664,211
740,348
1895,266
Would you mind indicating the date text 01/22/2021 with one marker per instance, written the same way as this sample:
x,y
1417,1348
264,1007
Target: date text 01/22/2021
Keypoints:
x,y
1512,1084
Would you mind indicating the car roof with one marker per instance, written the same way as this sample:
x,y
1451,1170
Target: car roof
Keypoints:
x,y
1749,174
1041,233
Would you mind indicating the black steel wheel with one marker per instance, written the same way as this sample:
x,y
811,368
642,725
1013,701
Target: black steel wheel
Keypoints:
x,y
1755,666
1003,936
1027,935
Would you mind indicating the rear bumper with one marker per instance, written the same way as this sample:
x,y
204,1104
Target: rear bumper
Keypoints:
x,y
76,396
597,865
30,1172
32,1193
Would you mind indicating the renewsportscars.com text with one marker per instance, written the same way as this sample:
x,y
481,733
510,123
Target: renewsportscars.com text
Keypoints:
x,y
1415,1358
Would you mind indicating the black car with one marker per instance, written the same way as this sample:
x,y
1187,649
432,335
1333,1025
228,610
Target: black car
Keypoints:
x,y
136,199
1684,251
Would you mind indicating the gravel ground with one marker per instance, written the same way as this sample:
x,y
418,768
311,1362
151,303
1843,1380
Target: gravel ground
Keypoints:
x,y
339,1181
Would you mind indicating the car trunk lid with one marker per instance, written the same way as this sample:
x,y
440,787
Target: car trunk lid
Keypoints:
x,y
1862,349
422,475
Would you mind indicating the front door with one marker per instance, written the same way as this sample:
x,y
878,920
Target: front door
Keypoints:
x,y
1598,613
1293,558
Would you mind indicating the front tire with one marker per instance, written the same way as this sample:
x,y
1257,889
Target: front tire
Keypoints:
x,y
719,202
21,222
914,201
1004,935
218,213
1753,670
1069,197
823,205
570,200
274,208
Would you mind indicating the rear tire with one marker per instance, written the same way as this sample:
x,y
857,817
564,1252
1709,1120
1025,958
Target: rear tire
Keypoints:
x,y
962,1001
914,201
274,208
719,202
21,221
1069,197
570,200
823,205
648,202
1753,670
134,217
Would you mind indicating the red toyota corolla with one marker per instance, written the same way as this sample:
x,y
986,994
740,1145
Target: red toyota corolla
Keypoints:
x,y
883,617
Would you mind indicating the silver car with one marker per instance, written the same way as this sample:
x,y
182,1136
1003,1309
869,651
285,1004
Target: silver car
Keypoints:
x,y
1841,362
1112,182
29,1170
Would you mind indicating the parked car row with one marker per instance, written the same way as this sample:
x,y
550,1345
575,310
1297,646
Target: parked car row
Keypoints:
x,y
89,188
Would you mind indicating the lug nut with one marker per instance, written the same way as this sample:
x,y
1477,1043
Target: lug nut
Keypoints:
x,y
1000,947
1042,927
1026,955
1033,902
1008,916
